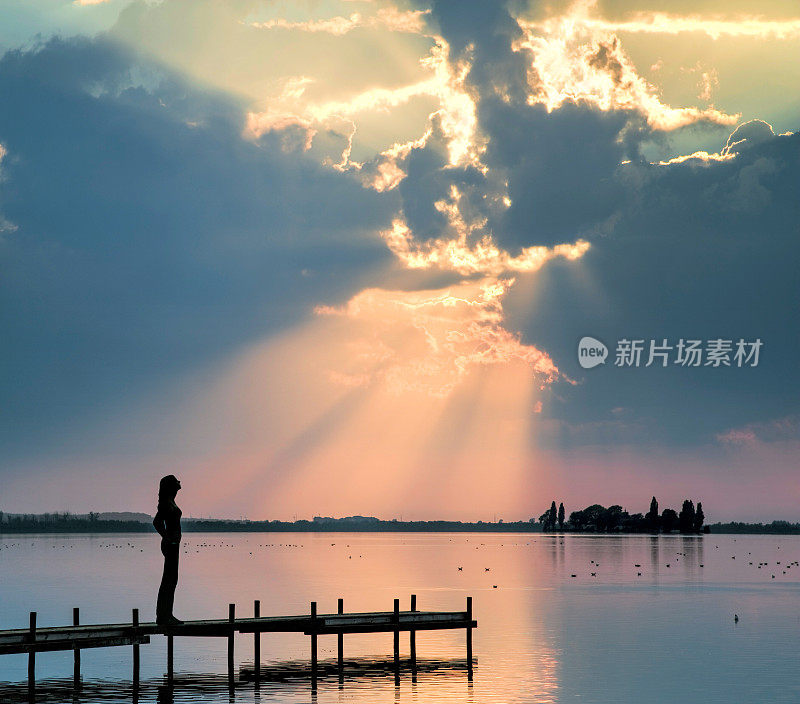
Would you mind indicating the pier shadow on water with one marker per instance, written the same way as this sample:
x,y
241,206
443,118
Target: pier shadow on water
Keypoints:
x,y
278,682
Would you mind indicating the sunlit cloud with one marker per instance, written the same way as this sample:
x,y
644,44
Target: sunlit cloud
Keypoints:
x,y
422,341
430,340
574,60
292,107
715,27
482,257
460,249
296,132
341,115
700,157
387,18
708,81
456,122
779,430
456,116
746,135
375,99
432,390
85,3
388,173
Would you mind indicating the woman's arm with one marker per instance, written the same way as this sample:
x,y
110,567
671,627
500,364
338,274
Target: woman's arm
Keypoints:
x,y
160,525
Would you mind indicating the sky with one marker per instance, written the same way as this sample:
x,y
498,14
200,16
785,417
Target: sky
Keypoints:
x,y
336,257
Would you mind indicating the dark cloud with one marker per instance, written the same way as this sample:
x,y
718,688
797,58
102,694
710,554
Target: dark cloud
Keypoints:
x,y
694,249
483,32
150,236
560,167
429,179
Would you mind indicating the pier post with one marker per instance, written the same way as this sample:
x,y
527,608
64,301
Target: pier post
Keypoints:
x,y
76,654
340,643
412,641
135,621
469,638
231,619
257,643
397,641
32,653
314,647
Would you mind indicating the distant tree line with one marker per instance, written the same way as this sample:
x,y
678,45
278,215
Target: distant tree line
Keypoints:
x,y
343,525
66,523
774,528
614,519
92,523
594,518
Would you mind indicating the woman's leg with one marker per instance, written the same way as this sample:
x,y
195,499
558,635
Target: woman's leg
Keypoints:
x,y
169,580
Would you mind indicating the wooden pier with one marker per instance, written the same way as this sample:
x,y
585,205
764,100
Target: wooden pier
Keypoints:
x,y
78,637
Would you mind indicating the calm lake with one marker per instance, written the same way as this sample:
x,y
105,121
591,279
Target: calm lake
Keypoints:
x,y
665,635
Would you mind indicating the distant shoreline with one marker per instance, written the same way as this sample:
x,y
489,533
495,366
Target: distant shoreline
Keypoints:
x,y
365,525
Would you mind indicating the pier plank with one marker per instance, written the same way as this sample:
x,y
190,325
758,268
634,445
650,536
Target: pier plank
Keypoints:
x,y
68,644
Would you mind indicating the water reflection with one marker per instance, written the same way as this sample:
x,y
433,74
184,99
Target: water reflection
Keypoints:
x,y
544,635
655,555
284,679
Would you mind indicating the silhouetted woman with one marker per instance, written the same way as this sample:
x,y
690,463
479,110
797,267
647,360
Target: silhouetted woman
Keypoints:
x,y
168,524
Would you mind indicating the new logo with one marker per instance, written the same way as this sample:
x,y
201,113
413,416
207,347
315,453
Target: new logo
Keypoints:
x,y
591,352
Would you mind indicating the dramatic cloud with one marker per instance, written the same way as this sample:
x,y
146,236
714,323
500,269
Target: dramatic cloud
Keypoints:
x,y
697,244
700,156
430,340
150,238
743,137
455,113
750,134
387,17
572,60
460,193
482,257
663,23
